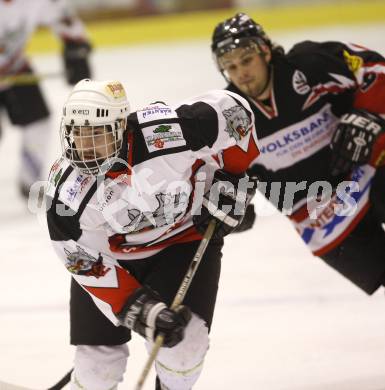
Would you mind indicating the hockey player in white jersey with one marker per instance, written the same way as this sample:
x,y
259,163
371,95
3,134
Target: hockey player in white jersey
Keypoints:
x,y
127,206
20,94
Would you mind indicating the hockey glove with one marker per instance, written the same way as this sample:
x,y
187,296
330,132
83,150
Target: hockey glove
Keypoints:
x,y
226,202
359,139
76,64
146,314
248,220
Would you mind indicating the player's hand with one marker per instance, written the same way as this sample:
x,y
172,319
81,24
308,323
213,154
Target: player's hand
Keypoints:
x,y
359,139
146,314
248,221
226,202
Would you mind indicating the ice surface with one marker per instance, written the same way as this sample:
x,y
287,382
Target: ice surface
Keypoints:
x,y
284,320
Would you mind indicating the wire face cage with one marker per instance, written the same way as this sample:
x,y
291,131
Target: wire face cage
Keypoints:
x,y
92,149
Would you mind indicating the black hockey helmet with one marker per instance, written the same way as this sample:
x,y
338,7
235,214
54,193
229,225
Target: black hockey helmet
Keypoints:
x,y
238,31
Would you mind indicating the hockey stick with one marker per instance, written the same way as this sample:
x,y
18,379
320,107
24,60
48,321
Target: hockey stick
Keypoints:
x,y
58,386
178,299
27,78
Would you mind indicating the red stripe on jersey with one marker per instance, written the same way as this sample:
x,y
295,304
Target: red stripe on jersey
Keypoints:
x,y
116,297
373,64
217,159
197,164
236,160
322,89
118,243
372,98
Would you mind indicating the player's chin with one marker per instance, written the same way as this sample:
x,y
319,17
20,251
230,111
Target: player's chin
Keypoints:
x,y
250,89
256,92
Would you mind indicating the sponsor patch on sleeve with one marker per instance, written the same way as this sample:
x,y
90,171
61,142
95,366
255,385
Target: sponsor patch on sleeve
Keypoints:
x,y
163,136
75,188
155,112
55,175
80,262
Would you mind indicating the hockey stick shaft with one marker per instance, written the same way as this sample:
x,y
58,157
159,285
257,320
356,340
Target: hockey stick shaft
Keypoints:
x,y
178,300
58,386
66,379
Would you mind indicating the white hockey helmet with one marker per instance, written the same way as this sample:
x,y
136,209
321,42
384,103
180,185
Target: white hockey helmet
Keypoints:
x,y
94,120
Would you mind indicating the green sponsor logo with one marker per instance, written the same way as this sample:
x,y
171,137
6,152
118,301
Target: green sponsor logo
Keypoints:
x,y
162,129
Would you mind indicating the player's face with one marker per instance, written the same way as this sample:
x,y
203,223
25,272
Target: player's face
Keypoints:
x,y
93,142
248,70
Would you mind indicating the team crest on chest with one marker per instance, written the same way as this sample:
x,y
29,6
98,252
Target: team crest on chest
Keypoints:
x,y
300,83
238,122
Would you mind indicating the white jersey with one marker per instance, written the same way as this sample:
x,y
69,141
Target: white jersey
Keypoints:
x,y
141,209
20,18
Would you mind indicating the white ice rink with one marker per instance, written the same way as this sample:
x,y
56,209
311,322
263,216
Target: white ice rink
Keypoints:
x,y
284,320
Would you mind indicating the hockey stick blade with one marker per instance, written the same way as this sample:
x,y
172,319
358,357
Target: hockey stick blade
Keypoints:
x,y
58,386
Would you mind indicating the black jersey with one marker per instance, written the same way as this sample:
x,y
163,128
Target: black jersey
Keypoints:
x,y
313,85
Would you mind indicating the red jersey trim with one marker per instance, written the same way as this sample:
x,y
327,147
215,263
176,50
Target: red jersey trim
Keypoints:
x,y
116,297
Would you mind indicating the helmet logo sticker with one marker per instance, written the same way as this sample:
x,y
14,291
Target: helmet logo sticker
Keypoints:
x,y
116,90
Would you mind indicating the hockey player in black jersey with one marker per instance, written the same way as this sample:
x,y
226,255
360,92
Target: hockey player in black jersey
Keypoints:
x,y
319,113
123,217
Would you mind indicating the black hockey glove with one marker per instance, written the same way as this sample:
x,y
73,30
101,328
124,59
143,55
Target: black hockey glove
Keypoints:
x,y
226,202
248,221
75,55
359,139
146,314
